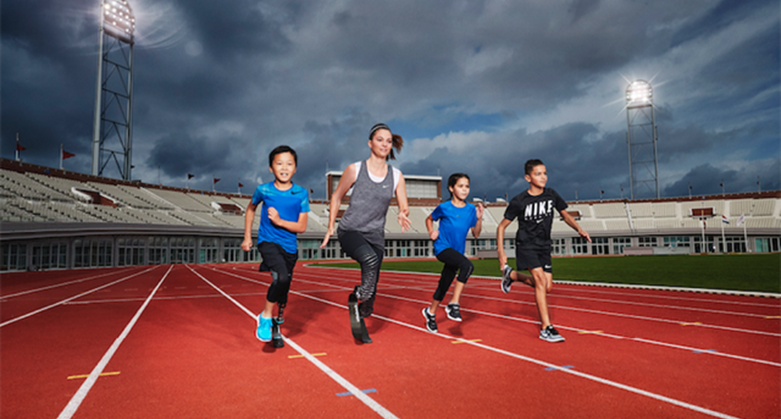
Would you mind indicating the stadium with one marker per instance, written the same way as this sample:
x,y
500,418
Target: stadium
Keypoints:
x,y
122,297
53,219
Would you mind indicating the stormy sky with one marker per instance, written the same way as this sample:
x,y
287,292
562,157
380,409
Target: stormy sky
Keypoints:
x,y
472,86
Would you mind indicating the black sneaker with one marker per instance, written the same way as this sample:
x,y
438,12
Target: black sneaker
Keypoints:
x,y
549,334
280,312
453,312
431,321
506,280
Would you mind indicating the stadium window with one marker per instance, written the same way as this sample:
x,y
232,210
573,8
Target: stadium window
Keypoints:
x,y
676,241
619,243
14,257
647,241
579,246
599,246
559,246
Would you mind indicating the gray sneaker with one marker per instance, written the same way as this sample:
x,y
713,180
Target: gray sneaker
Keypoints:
x,y
506,280
431,321
549,334
453,312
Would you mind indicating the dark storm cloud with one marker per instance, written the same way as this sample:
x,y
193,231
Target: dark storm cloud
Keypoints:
x,y
706,179
498,81
231,29
180,154
725,13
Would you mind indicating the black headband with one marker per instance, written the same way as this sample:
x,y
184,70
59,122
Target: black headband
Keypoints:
x,y
378,127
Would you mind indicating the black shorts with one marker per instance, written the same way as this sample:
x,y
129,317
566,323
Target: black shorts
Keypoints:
x,y
533,258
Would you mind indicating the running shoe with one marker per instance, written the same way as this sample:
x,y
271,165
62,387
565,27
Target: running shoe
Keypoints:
x,y
549,334
263,333
506,280
280,312
453,312
431,321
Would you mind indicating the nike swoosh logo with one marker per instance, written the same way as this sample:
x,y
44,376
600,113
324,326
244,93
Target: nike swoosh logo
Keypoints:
x,y
384,186
539,221
296,192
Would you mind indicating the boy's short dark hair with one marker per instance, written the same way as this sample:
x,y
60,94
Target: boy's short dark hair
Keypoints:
x,y
531,164
279,150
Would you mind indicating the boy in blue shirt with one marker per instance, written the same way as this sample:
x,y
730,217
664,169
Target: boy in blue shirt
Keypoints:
x,y
534,210
455,218
283,215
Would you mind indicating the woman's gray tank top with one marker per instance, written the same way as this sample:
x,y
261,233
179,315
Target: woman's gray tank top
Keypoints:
x,y
369,204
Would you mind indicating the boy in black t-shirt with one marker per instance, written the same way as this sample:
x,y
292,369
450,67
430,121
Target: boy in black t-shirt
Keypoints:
x,y
534,210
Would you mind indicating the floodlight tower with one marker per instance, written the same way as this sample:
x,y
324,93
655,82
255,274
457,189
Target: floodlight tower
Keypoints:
x,y
641,137
114,94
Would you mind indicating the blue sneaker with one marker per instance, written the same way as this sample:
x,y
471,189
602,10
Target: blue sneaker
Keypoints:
x,y
264,329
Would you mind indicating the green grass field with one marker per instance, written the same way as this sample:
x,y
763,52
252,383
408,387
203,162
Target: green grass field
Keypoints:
x,y
751,272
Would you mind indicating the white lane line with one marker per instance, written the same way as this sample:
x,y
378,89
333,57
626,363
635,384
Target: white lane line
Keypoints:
x,y
40,310
531,360
77,398
600,312
368,401
583,284
62,284
575,329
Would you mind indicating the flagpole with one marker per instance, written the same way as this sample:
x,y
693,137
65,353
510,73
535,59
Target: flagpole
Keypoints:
x,y
704,245
16,155
723,239
745,237
60,156
187,182
213,182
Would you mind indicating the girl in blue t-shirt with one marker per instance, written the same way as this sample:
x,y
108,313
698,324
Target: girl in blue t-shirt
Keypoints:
x,y
455,218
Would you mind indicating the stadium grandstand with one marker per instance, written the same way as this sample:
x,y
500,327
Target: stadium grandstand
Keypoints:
x,y
53,219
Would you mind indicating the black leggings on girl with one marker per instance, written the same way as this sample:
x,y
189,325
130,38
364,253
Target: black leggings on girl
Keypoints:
x,y
370,258
454,261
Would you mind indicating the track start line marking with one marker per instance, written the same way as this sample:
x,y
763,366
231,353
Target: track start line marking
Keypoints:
x,y
563,367
301,356
465,341
104,374
347,393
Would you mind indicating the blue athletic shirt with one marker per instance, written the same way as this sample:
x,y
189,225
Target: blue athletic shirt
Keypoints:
x,y
454,225
289,204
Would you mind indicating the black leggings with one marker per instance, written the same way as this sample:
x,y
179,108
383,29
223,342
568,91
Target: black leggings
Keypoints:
x,y
453,261
370,258
280,263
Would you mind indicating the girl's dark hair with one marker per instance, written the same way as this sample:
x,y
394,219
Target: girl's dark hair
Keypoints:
x,y
531,164
279,150
398,142
453,179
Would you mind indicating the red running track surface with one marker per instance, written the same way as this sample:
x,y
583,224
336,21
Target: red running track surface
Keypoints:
x,y
178,341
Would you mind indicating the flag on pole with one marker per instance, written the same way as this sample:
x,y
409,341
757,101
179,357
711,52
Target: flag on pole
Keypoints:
x,y
66,155
216,180
724,219
741,220
19,148
189,176
240,185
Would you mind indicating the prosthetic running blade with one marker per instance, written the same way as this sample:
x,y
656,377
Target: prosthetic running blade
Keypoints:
x,y
276,335
356,322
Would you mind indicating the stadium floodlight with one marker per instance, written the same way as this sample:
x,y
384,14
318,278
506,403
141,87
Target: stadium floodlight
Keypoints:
x,y
639,93
118,19
641,137
112,129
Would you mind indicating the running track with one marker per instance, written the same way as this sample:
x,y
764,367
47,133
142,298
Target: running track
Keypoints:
x,y
178,341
